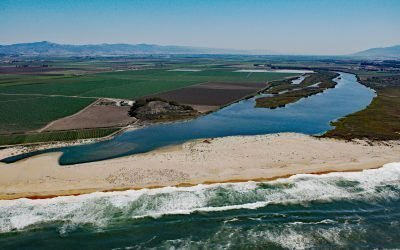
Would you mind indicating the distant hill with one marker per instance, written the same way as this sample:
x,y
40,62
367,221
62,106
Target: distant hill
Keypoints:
x,y
53,49
387,52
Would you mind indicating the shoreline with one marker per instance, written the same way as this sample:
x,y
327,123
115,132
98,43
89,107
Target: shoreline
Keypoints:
x,y
208,161
261,179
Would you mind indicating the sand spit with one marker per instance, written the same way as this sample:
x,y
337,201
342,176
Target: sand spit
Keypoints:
x,y
203,161
22,149
27,148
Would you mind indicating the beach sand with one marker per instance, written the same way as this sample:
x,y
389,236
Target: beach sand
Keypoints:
x,y
225,159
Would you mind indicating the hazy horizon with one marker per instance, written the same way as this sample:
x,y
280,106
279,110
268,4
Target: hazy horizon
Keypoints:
x,y
288,27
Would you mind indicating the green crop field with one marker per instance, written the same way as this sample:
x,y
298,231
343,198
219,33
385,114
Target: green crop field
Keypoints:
x,y
24,113
55,136
127,84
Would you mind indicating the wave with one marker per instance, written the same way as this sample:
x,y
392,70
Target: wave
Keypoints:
x,y
274,236
101,209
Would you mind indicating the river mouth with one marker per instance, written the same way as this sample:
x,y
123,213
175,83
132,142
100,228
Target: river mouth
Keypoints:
x,y
310,115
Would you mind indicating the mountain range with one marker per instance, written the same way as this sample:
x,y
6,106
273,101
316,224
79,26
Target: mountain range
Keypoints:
x,y
53,49
46,48
387,52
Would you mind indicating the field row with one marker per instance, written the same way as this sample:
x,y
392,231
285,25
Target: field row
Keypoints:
x,y
55,136
132,84
30,113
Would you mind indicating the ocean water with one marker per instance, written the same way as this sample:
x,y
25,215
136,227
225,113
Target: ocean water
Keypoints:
x,y
309,116
352,210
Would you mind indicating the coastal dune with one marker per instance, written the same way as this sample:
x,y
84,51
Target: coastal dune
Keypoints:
x,y
228,159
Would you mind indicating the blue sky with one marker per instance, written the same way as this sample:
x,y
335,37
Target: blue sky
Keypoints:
x,y
288,26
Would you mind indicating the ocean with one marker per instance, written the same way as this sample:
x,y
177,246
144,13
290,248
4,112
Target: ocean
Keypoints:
x,y
328,211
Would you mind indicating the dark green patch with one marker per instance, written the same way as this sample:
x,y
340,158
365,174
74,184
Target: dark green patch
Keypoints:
x,y
55,136
294,93
380,120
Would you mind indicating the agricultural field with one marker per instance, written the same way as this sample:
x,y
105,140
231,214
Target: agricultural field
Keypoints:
x,y
129,84
94,116
26,113
209,96
56,136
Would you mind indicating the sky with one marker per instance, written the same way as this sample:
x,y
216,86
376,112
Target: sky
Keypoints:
x,y
319,27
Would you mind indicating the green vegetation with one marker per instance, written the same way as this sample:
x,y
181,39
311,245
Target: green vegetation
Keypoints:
x,y
128,84
25,113
380,120
276,101
55,136
157,109
324,78
284,92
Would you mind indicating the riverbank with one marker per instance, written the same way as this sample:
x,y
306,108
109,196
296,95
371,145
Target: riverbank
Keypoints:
x,y
228,159
285,92
378,121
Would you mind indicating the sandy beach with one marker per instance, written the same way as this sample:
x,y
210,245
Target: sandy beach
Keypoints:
x,y
226,159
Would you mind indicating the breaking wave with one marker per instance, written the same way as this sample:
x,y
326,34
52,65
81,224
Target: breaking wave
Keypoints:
x,y
100,210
